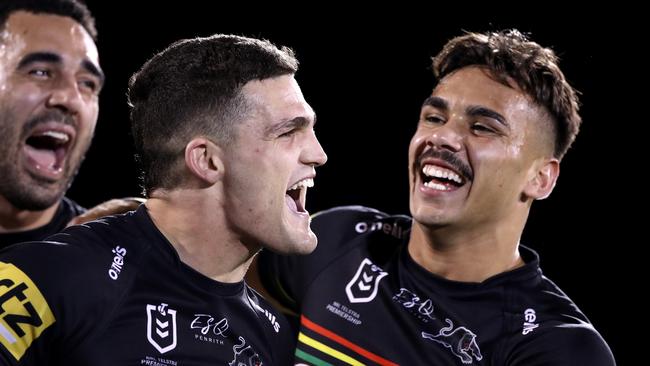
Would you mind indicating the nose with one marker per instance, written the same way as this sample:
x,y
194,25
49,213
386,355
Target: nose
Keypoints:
x,y
313,154
446,136
66,96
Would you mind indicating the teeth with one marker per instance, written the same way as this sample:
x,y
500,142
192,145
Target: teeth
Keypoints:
x,y
438,172
440,187
62,137
305,183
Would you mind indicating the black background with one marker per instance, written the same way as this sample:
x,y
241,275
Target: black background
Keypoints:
x,y
366,74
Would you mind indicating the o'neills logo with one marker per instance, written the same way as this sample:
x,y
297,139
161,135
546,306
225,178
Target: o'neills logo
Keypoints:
x,y
118,262
394,229
161,327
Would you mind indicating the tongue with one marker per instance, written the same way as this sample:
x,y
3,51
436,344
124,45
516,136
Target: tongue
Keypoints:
x,y
43,158
291,203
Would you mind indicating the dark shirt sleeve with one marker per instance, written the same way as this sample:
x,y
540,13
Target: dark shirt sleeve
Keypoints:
x,y
50,300
570,345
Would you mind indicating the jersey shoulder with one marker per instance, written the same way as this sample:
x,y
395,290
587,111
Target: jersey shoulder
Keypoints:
x,y
66,285
343,226
553,331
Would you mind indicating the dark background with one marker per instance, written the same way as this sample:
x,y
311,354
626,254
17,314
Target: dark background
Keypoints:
x,y
366,76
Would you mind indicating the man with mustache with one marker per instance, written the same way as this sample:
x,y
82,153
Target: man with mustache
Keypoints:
x,y
451,285
50,81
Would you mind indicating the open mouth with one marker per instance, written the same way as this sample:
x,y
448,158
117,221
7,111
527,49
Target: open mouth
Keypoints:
x,y
440,178
296,195
46,150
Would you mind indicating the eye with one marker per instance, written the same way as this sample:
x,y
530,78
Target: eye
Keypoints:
x,y
481,128
432,118
40,73
289,133
90,85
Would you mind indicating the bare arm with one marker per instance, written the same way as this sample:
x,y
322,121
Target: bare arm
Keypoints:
x,y
110,207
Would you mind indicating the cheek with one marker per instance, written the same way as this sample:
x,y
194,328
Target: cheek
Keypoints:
x,y
90,117
418,141
25,92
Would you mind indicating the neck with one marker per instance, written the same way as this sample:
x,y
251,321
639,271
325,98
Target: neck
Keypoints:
x,y
464,255
13,219
200,234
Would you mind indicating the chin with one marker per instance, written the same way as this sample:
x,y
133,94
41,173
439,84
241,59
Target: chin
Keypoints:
x,y
302,246
429,216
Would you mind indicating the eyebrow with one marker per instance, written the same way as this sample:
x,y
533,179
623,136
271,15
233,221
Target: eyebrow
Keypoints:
x,y
473,110
476,110
436,102
297,122
53,58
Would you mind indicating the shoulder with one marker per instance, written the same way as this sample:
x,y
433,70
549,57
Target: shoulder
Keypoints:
x,y
46,287
349,214
553,331
73,264
342,224
569,343
67,284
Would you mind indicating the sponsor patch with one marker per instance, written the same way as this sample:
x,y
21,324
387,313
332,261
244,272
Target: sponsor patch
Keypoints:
x,y
24,313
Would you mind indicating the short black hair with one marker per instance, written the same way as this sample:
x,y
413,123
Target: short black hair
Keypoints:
x,y
194,87
510,54
74,9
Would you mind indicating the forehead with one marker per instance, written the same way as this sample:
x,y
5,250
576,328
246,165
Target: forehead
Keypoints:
x,y
473,86
26,33
278,99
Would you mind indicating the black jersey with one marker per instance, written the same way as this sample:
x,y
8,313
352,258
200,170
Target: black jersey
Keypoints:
x,y
363,300
115,292
67,210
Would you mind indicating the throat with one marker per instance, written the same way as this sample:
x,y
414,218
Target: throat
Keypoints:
x,y
464,262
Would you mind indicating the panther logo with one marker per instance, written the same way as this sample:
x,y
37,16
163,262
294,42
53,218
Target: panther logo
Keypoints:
x,y
244,355
461,341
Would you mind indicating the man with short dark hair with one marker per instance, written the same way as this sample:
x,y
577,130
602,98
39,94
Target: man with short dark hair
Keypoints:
x,y
451,285
227,147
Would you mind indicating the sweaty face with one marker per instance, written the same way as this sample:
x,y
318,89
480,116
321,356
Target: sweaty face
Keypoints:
x,y
49,85
270,166
472,152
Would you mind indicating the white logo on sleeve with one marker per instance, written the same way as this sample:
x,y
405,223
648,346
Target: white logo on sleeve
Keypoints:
x,y
363,286
529,321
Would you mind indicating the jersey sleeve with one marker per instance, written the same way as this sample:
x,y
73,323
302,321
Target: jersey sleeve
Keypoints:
x,y
570,345
52,297
287,277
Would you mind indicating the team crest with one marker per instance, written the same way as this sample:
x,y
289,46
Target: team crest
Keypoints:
x,y
363,286
161,327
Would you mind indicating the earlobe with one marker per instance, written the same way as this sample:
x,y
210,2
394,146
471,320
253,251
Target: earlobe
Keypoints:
x,y
543,180
203,160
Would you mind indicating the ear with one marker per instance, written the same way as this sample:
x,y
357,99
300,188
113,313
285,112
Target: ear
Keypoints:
x,y
544,174
204,159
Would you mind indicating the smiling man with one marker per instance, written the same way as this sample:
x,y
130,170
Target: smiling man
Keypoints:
x,y
227,147
451,285
50,80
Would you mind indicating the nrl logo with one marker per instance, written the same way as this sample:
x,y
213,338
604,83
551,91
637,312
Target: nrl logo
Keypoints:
x,y
363,286
161,327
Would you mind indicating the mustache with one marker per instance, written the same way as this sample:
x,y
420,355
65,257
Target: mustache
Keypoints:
x,y
49,116
449,158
